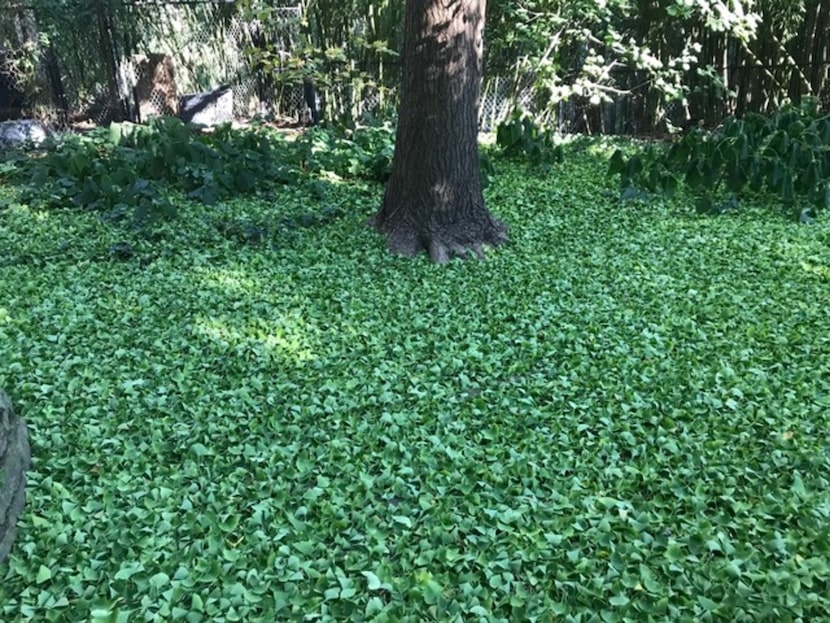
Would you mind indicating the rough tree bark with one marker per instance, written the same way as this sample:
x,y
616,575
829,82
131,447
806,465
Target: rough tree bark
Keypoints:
x,y
14,461
433,200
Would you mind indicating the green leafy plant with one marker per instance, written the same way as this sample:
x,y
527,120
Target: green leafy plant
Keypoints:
x,y
786,154
521,137
365,152
126,170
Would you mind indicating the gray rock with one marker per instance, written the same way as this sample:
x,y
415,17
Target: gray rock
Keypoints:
x,y
14,461
23,131
209,108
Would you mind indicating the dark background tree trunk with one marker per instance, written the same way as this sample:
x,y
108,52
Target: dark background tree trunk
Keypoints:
x,y
433,200
53,73
109,54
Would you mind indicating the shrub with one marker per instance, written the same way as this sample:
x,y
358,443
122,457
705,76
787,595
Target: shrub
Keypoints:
x,y
521,137
786,154
365,152
126,170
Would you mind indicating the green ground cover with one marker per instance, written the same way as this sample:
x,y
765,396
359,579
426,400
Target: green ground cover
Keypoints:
x,y
621,415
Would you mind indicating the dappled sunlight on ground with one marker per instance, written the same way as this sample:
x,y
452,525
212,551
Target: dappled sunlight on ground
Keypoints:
x,y
231,280
254,309
287,336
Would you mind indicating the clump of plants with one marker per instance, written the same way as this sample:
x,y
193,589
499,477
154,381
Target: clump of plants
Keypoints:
x,y
786,154
520,137
127,171
364,153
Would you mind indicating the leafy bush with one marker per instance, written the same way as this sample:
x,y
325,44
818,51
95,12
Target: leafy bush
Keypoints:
x,y
365,152
208,165
521,137
128,170
786,154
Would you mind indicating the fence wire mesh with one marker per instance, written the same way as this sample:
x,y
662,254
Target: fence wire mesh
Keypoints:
x,y
95,69
103,61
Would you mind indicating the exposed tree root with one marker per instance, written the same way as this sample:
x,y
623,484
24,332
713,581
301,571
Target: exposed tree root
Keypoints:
x,y
442,241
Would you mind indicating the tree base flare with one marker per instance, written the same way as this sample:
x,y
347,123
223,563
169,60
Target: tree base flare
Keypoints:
x,y
442,241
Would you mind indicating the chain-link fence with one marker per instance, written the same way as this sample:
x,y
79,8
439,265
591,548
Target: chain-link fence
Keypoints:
x,y
138,59
143,58
97,61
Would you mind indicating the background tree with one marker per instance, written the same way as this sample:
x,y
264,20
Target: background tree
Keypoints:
x,y
348,50
615,67
639,67
433,199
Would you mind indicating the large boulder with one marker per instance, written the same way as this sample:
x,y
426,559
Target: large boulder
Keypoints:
x,y
14,461
209,108
23,132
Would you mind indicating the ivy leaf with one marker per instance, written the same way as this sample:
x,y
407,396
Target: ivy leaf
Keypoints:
x,y
403,520
373,581
44,574
619,600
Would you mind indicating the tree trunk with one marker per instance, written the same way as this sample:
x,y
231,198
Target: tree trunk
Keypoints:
x,y
53,73
107,49
820,57
14,461
433,199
